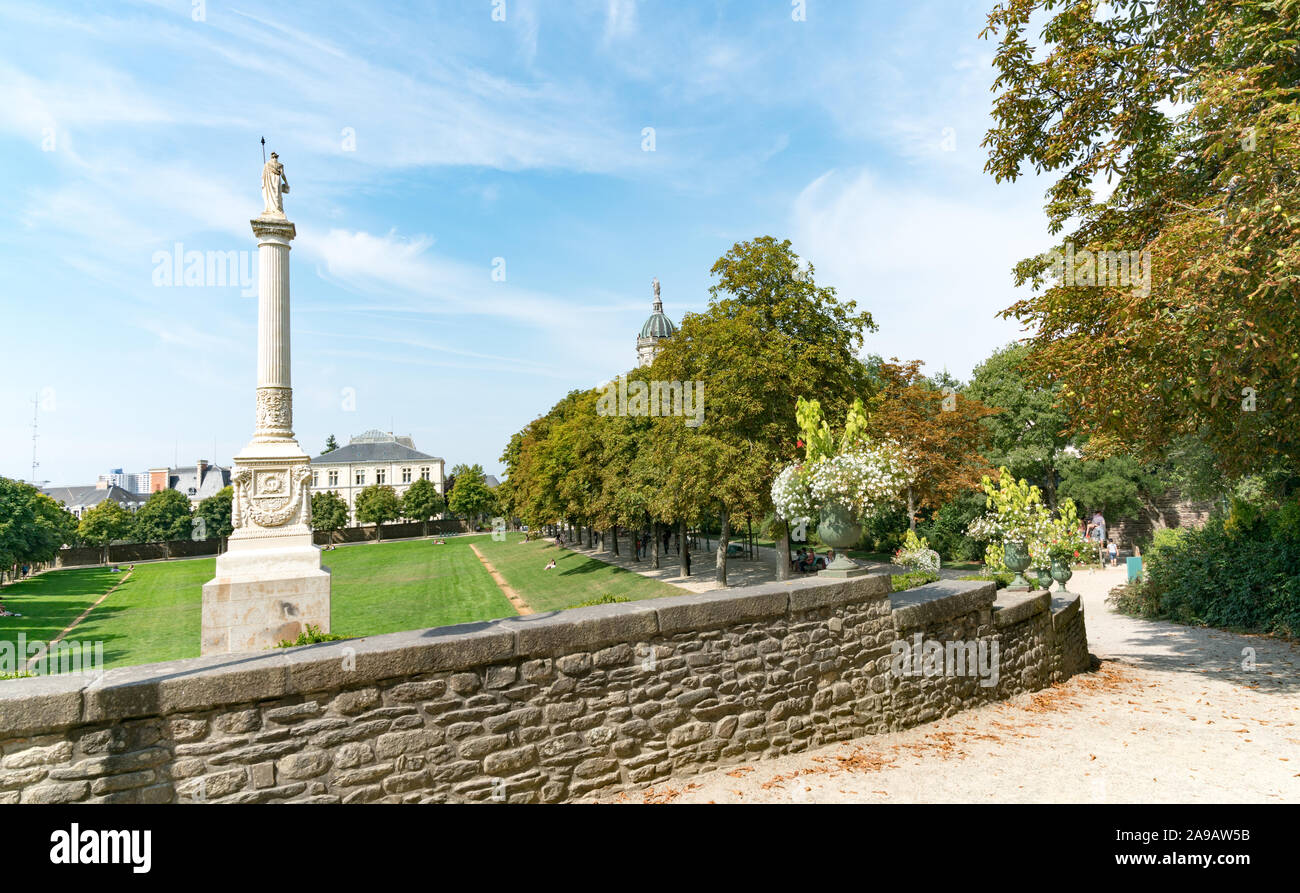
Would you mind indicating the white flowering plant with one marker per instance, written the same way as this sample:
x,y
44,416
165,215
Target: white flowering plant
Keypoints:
x,y
791,496
915,554
863,475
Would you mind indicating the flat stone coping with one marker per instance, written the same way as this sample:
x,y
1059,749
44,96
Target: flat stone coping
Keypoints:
x,y
1065,607
940,601
49,703
1016,607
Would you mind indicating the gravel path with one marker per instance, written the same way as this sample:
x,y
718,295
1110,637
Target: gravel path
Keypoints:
x,y
1171,716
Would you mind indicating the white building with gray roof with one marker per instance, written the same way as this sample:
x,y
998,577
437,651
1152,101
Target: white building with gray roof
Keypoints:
x,y
375,457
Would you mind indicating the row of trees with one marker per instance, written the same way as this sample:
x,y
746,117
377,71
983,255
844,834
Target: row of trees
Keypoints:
x,y
770,335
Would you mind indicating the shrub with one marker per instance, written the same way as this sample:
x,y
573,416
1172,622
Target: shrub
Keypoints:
x,y
605,599
310,636
1240,571
946,531
911,580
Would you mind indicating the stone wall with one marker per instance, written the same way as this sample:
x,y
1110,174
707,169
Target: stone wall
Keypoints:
x,y
544,708
1169,510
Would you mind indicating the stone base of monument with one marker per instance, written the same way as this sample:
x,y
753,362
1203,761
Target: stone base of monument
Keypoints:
x,y
261,596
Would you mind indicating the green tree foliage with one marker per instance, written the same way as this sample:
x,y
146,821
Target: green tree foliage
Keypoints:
x,y
770,335
104,524
422,501
471,498
164,516
378,504
330,445
1029,434
1118,486
1187,108
215,513
328,511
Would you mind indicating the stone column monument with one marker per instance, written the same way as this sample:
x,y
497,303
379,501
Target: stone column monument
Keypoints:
x,y
269,584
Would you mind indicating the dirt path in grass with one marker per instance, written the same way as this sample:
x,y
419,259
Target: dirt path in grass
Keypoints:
x,y
521,606
80,617
1173,714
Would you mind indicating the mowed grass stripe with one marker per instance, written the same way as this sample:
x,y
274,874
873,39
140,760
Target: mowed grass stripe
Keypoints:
x,y
574,579
390,587
50,601
154,616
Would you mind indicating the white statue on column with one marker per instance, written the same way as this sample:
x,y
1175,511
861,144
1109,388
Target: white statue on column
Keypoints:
x,y
269,584
274,186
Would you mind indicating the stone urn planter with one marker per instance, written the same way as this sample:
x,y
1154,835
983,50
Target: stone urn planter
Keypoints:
x,y
1061,573
1016,557
1044,577
838,528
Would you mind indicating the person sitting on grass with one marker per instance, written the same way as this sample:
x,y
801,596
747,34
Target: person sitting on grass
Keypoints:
x,y
5,612
549,566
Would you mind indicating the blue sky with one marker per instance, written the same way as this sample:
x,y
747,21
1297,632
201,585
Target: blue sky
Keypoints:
x,y
422,142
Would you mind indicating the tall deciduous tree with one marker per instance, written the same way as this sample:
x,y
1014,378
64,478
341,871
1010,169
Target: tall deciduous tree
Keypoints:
x,y
104,524
1188,109
378,504
940,431
215,513
328,511
470,496
1029,436
164,516
422,501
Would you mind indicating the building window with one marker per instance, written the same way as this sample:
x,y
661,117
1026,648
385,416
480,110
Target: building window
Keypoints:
x,y
361,477
406,475
424,473
315,479
381,476
334,478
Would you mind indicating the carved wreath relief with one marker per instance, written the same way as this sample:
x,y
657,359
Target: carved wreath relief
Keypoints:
x,y
271,497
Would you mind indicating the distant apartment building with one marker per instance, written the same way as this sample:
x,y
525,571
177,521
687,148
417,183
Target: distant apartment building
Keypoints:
x,y
374,457
197,481
78,500
129,481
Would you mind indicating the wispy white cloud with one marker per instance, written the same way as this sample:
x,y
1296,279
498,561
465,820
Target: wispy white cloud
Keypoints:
x,y
933,269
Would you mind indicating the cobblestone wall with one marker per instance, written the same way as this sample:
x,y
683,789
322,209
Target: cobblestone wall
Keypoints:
x,y
541,708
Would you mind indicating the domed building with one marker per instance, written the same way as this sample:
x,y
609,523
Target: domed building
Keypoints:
x,y
656,329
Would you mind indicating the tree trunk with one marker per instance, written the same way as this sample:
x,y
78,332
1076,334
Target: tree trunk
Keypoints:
x,y
782,531
614,537
684,548
654,532
724,536
911,511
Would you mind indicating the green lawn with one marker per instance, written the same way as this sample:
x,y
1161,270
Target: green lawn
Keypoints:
x,y
376,588
575,578
388,587
153,616
49,602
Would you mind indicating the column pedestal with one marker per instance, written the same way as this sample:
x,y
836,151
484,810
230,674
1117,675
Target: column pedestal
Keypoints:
x,y
269,585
